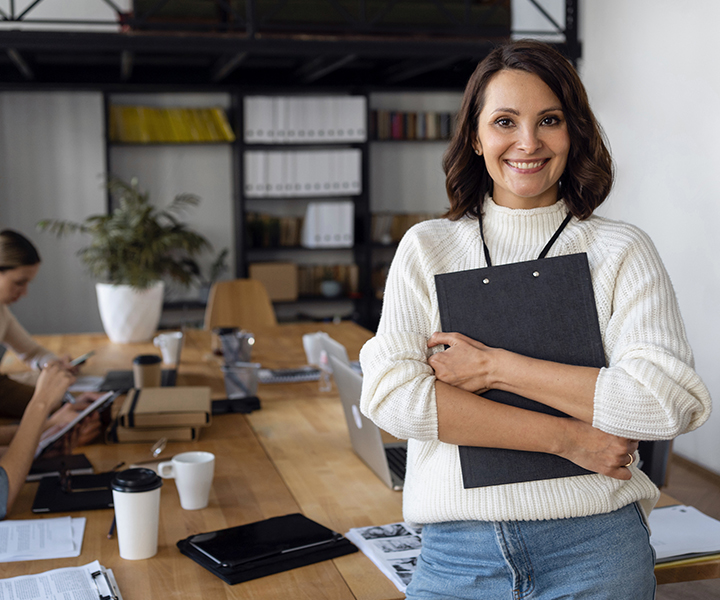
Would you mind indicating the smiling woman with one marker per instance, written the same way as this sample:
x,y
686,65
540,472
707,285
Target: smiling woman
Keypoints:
x,y
524,172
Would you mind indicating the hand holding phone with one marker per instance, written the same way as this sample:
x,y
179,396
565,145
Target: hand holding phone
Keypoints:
x,y
81,359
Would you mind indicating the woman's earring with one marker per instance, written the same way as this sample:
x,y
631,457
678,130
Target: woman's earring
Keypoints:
x,y
478,152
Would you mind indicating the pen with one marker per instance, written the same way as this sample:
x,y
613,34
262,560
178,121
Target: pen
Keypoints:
x,y
112,529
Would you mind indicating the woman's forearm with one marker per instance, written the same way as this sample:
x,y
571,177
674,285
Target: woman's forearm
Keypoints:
x,y
465,419
470,420
567,388
7,433
472,366
19,455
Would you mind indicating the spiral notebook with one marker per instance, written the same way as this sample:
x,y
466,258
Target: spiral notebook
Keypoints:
x,y
544,309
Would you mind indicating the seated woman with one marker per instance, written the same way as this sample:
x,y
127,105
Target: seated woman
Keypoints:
x,y
19,263
15,460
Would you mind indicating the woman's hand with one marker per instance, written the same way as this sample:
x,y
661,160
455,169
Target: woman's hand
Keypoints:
x,y
466,364
83,433
51,386
65,363
596,450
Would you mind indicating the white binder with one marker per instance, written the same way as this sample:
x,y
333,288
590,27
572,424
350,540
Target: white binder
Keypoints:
x,y
328,225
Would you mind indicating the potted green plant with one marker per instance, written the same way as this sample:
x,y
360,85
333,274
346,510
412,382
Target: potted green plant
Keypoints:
x,y
131,250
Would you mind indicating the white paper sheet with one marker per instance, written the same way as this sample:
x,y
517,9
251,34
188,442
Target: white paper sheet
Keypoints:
x,y
37,539
682,532
71,583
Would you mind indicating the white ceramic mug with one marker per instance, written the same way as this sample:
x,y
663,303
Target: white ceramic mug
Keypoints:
x,y
136,498
193,473
169,344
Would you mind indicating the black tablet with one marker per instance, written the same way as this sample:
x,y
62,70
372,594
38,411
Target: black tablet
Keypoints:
x,y
245,544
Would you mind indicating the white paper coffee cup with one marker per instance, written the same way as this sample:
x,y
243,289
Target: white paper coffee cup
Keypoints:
x,y
136,496
193,473
169,344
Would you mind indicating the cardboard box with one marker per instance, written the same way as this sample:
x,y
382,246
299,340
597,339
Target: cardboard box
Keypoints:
x,y
166,407
280,279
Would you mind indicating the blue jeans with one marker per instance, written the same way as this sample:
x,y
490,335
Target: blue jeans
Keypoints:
x,y
602,557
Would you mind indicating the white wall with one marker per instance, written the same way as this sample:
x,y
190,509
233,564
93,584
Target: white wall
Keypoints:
x,y
648,68
51,161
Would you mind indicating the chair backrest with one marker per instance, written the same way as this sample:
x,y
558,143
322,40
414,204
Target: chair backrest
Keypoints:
x,y
242,303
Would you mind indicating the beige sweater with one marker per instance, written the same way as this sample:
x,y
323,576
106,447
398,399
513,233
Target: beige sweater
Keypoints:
x,y
648,391
17,339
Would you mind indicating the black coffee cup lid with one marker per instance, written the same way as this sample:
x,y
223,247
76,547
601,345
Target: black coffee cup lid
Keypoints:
x,y
136,480
147,359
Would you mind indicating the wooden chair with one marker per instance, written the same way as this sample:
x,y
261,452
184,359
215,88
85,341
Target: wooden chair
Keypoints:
x,y
242,303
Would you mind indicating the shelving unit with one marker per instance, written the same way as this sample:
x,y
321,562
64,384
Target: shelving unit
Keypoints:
x,y
266,51
324,164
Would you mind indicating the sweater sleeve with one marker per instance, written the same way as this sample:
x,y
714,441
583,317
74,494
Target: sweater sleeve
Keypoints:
x,y
649,390
19,341
398,384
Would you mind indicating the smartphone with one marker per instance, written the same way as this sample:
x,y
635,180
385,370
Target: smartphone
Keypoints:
x,y
81,359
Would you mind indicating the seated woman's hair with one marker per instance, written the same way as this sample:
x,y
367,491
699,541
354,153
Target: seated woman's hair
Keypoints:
x,y
588,176
16,251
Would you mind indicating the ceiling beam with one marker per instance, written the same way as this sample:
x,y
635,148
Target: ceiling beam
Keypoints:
x,y
127,61
20,63
410,68
321,66
224,66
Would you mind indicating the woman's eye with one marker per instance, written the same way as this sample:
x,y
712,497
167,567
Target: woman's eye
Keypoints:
x,y
504,122
550,121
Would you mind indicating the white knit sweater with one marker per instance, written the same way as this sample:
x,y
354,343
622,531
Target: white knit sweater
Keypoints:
x,y
648,391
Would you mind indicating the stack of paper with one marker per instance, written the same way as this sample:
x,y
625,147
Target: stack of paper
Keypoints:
x,y
682,532
37,539
89,581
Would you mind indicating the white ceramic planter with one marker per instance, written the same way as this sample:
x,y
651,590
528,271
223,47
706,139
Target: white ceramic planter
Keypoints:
x,y
129,315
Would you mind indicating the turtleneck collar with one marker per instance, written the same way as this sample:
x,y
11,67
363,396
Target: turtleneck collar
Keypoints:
x,y
514,234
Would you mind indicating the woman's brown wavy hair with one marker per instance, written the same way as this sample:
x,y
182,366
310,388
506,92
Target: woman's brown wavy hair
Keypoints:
x,y
588,176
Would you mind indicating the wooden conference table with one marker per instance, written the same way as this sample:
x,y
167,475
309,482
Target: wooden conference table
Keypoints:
x,y
293,455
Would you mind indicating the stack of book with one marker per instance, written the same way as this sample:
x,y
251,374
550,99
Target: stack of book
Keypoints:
x,y
270,231
311,276
144,124
398,125
388,228
148,414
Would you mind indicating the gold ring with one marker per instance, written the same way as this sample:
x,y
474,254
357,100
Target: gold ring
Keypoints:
x,y
632,459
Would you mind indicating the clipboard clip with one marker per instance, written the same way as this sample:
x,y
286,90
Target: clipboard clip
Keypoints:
x,y
111,593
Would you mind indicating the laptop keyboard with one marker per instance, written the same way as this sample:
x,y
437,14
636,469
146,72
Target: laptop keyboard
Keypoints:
x,y
397,460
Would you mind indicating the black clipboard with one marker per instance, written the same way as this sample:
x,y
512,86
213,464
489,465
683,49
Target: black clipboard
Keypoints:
x,y
264,548
544,309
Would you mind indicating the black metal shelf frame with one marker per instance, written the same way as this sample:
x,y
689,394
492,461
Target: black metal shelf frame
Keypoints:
x,y
267,43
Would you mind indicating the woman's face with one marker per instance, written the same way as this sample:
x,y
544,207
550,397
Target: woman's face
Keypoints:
x,y
14,282
522,135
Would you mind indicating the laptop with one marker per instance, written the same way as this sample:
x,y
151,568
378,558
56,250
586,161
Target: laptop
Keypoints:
x,y
386,460
122,381
336,349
